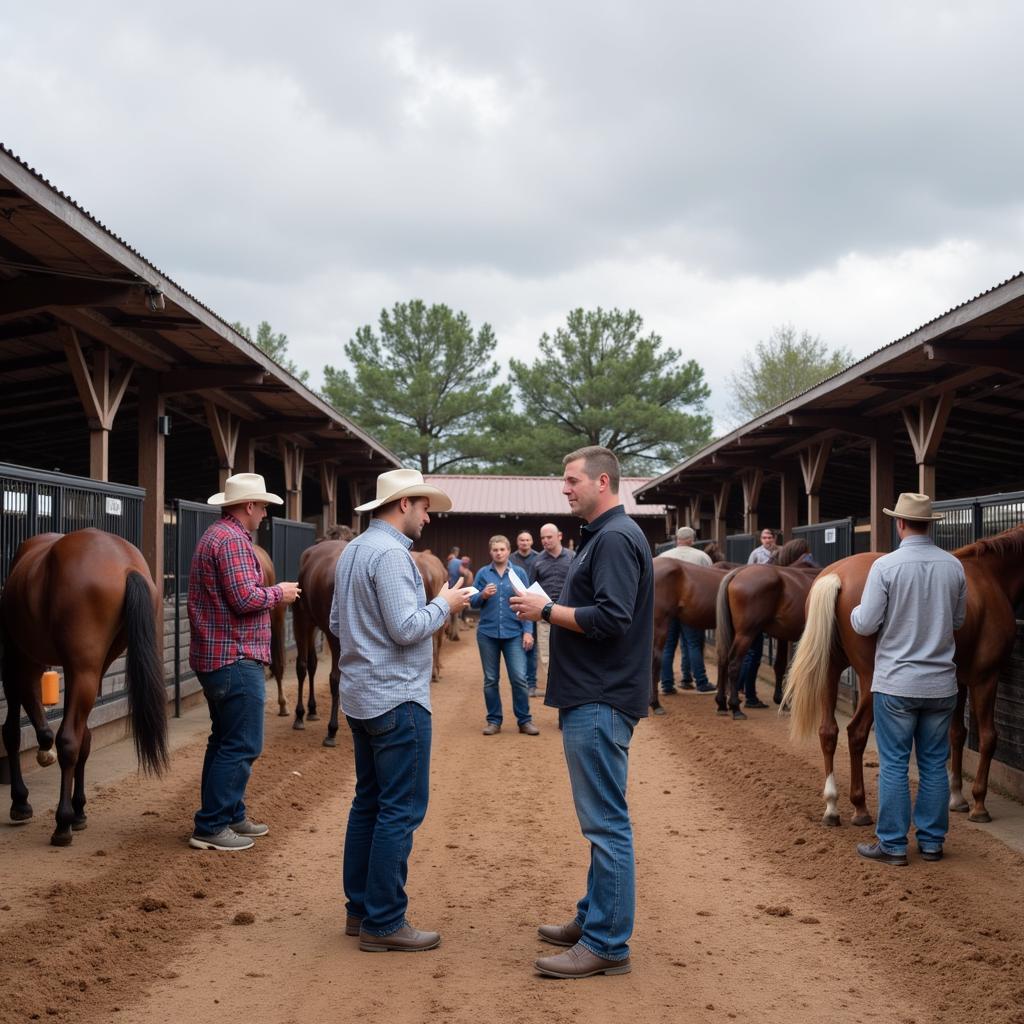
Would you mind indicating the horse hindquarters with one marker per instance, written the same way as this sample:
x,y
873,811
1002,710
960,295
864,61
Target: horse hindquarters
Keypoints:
x,y
144,674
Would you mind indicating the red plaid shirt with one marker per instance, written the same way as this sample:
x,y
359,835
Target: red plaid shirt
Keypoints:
x,y
228,606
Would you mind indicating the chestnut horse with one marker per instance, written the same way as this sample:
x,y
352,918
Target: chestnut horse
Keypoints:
x,y
277,628
994,568
435,576
78,601
759,599
687,592
311,612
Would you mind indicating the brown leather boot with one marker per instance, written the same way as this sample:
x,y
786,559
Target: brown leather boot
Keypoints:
x,y
492,728
406,940
529,729
352,924
561,934
579,962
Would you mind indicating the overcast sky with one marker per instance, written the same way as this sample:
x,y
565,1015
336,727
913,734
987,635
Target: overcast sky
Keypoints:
x,y
722,168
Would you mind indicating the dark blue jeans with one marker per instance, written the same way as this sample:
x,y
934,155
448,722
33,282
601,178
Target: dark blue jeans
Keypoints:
x,y
491,651
748,670
531,666
595,738
235,695
392,761
668,656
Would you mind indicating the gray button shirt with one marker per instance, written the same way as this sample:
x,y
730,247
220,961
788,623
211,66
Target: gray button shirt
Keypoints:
x,y
383,624
913,598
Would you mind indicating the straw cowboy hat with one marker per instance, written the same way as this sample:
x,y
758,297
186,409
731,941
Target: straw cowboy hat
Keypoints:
x,y
243,487
406,483
915,508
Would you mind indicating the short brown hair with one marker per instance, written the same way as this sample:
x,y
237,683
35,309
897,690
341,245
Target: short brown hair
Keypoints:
x,y
597,460
498,538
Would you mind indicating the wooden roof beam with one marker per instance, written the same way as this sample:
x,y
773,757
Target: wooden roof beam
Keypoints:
x,y
202,378
23,296
958,380
1011,360
127,344
269,428
855,425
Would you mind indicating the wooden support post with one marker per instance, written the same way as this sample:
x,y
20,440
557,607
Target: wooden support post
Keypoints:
x,y
721,506
245,451
789,502
926,421
293,458
882,493
812,465
224,429
329,493
693,512
751,479
355,493
99,393
151,477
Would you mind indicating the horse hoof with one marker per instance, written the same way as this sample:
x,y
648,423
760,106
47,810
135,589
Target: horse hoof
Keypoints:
x,y
298,724
961,808
282,712
330,741
46,757
738,716
21,815
831,821
79,824
659,710
721,711
862,819
979,816
312,716
777,698
61,838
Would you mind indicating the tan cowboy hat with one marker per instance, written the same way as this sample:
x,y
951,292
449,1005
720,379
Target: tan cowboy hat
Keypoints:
x,y
243,487
915,508
406,483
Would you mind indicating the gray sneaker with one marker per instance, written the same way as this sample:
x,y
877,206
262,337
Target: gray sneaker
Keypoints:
x,y
249,828
225,839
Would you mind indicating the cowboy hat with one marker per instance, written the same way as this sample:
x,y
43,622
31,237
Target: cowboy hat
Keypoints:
x,y
406,483
243,487
915,508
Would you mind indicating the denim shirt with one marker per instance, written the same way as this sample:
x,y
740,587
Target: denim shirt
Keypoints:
x,y
497,620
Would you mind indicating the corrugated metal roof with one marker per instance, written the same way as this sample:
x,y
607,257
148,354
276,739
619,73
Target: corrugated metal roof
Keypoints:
x,y
525,495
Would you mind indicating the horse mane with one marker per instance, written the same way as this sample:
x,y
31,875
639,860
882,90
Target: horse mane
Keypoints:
x,y
714,552
792,550
1003,545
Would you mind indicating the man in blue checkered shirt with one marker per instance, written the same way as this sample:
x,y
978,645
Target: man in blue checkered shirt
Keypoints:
x,y
385,627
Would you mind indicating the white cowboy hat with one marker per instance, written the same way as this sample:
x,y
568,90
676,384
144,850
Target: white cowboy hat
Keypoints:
x,y
915,508
406,483
243,487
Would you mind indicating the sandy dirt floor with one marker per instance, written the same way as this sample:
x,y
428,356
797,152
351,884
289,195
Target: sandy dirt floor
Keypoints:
x,y
747,909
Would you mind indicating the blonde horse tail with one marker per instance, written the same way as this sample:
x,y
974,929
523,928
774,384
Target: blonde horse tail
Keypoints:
x,y
724,632
807,679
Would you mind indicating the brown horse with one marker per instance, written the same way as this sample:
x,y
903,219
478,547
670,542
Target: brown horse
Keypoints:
x,y
435,576
277,629
995,585
759,599
684,591
78,601
311,612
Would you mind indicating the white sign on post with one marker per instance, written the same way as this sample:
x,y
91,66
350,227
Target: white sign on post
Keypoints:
x,y
830,535
113,506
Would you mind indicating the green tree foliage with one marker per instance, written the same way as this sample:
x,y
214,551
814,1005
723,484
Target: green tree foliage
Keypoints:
x,y
600,380
424,384
274,345
780,368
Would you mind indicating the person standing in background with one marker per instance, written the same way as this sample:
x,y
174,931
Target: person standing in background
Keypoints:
x,y
550,570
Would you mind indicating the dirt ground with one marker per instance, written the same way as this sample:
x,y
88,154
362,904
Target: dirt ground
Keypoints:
x,y
748,909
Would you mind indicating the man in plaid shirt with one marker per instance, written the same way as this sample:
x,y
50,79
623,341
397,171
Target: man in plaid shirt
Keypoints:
x,y
229,614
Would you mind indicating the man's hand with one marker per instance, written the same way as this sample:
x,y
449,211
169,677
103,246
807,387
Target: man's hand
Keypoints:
x,y
489,591
290,592
527,642
456,597
528,606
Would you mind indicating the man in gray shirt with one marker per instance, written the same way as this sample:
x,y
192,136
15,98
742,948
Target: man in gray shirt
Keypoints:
x,y
385,627
913,599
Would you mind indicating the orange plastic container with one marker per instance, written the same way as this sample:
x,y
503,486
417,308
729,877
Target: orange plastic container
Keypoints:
x,y
51,688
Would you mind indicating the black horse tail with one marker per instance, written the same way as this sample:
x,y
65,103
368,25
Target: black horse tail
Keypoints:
x,y
724,631
144,671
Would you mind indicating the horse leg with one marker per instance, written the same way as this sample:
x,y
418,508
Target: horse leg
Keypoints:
x,y
957,738
21,809
330,740
311,661
741,644
78,822
983,706
857,733
282,704
780,666
657,651
69,745
828,736
301,646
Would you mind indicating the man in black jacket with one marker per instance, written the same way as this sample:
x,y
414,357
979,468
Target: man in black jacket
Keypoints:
x,y
599,679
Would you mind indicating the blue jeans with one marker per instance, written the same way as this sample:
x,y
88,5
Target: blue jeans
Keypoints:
x,y
668,656
392,762
595,738
921,722
748,670
491,651
235,695
531,665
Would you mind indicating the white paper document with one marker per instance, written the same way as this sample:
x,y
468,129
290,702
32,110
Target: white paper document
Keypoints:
x,y
521,588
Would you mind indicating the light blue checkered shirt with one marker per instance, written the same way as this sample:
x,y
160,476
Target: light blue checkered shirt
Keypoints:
x,y
383,624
